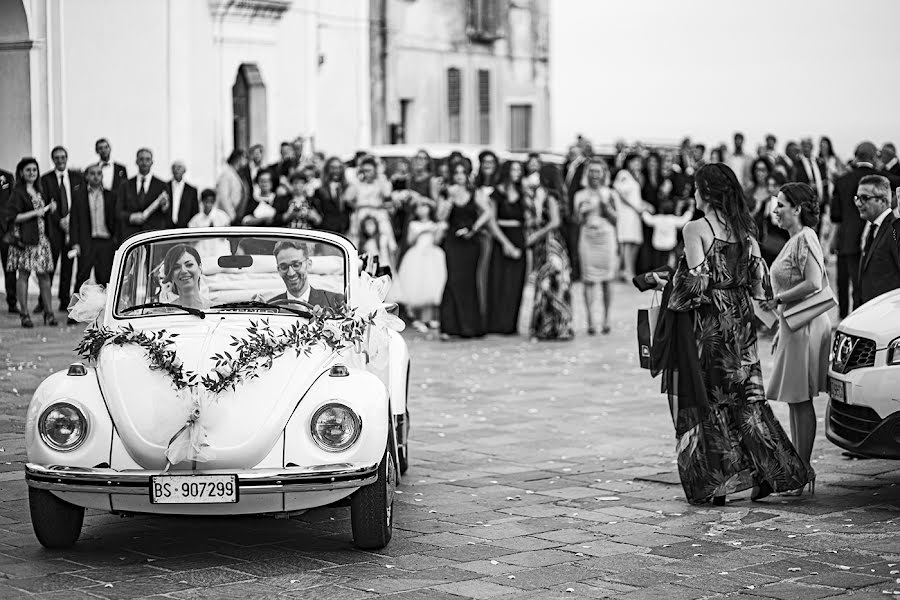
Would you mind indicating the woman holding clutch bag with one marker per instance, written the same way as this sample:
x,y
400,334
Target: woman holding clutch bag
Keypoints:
x,y
800,367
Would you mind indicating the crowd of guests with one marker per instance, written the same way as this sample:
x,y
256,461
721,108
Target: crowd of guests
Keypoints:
x,y
460,239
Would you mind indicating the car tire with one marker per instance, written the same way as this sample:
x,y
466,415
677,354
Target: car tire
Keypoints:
x,y
56,523
372,506
403,443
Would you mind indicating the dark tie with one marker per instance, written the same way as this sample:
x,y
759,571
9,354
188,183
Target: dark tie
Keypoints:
x,y
869,240
141,190
63,197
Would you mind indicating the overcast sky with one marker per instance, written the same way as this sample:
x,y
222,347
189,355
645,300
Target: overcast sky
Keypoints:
x,y
662,69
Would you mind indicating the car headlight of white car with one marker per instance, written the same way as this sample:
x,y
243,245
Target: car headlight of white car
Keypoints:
x,y
893,352
63,426
335,427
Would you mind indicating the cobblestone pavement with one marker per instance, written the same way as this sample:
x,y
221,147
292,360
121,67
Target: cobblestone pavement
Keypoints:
x,y
537,471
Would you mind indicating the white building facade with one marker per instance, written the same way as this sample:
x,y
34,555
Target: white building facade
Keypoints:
x,y
189,79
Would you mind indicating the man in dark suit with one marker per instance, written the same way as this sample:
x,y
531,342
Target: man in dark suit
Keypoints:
x,y
142,203
292,258
889,159
811,172
250,171
328,200
60,185
93,227
7,181
114,174
282,169
183,197
847,239
879,269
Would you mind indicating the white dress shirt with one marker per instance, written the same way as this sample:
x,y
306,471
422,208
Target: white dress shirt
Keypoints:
x,y
813,174
177,191
137,182
65,183
106,168
304,297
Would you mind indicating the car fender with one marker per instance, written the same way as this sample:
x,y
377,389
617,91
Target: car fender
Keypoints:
x,y
362,392
398,375
82,391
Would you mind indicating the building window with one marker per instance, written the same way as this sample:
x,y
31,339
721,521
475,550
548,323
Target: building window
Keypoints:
x,y
454,105
484,106
484,20
248,97
520,127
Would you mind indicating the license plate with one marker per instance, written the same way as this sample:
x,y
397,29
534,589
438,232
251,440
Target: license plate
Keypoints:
x,y
193,489
836,390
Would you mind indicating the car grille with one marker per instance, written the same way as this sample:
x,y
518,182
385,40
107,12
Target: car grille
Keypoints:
x,y
852,423
862,355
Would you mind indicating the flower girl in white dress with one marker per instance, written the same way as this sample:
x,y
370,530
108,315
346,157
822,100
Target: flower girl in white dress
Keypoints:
x,y
423,271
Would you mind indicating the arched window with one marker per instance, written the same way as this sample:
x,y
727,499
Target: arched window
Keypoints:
x,y
248,95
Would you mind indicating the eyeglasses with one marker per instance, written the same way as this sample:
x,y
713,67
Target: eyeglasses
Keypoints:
x,y
296,265
862,198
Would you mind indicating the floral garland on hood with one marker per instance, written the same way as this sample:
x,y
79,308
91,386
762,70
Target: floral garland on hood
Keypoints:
x,y
362,328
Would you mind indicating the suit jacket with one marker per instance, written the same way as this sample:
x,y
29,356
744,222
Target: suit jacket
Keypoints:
x,y
319,298
879,271
120,176
800,176
7,183
80,226
20,202
894,169
335,213
844,211
572,177
128,202
51,191
190,205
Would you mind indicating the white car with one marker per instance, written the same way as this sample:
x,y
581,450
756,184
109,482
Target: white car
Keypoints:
x,y
864,380
229,371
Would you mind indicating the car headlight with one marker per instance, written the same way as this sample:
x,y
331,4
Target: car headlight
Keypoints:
x,y
63,426
335,427
893,352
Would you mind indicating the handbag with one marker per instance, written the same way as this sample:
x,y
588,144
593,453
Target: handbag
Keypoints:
x,y
800,313
13,237
646,324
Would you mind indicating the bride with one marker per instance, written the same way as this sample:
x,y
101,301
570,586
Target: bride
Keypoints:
x,y
181,271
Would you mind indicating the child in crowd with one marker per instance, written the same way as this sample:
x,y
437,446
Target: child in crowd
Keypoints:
x,y
423,272
666,225
210,216
376,243
295,210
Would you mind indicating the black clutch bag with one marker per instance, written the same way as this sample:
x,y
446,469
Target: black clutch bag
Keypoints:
x,y
645,282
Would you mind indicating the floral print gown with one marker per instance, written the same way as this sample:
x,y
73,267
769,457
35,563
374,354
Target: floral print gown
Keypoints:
x,y
737,443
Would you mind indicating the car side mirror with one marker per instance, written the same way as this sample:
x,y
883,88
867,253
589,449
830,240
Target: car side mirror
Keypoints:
x,y
392,308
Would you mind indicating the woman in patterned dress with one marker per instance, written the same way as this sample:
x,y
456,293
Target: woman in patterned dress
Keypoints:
x,y
705,344
551,315
28,214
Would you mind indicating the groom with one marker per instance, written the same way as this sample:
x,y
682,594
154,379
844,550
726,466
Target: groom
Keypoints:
x,y
293,263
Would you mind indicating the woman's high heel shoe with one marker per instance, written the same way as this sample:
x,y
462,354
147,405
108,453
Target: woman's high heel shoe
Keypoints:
x,y
811,482
26,320
718,500
761,491
50,319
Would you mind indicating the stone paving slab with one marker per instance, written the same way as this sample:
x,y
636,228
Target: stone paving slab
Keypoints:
x,y
537,471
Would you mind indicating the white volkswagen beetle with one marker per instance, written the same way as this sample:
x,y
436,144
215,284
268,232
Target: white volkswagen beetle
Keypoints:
x,y
226,371
864,380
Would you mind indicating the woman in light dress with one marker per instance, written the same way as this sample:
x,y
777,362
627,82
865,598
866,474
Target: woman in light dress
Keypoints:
x,y
423,270
597,247
629,207
370,196
801,365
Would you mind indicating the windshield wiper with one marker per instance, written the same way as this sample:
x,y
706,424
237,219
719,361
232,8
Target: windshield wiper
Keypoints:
x,y
261,304
193,311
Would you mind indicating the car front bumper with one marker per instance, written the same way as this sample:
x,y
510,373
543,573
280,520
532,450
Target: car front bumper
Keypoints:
x,y
860,430
254,481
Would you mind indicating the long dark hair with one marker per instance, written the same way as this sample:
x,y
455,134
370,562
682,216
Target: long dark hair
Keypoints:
x,y
20,175
480,178
720,189
506,179
172,256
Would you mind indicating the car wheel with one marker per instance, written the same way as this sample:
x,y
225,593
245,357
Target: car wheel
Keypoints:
x,y
57,524
372,506
403,443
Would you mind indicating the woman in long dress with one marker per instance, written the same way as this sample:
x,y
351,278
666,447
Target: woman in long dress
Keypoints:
x,y
597,247
463,214
486,179
551,315
800,369
705,344
629,206
506,275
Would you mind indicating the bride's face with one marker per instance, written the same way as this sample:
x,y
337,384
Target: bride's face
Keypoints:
x,y
186,274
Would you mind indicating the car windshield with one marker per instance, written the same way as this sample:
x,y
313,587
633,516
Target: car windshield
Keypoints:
x,y
198,274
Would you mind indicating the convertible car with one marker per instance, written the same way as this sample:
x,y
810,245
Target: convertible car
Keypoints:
x,y
864,380
229,371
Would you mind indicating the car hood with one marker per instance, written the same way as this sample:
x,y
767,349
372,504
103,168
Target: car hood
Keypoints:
x,y
242,425
876,319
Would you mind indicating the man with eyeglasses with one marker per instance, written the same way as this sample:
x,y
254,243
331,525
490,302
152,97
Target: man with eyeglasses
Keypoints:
x,y
847,240
292,258
879,268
